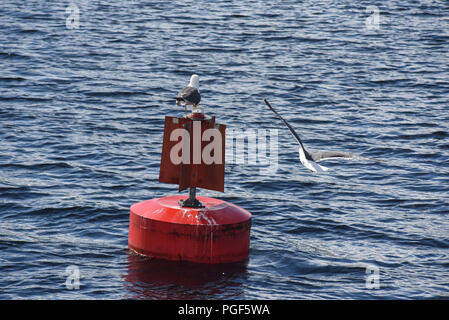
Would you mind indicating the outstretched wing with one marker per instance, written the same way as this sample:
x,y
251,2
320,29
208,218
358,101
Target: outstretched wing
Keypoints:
x,y
309,159
307,155
325,155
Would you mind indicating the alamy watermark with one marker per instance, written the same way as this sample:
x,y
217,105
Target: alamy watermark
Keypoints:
x,y
372,22
88,9
72,281
259,150
243,147
372,280
73,19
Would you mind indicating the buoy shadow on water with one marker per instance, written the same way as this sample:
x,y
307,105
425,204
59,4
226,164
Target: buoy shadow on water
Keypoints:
x,y
152,278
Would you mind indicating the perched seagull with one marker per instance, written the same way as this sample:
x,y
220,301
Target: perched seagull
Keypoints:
x,y
190,95
309,159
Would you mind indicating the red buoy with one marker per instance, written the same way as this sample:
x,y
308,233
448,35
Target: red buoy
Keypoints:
x,y
219,232
202,229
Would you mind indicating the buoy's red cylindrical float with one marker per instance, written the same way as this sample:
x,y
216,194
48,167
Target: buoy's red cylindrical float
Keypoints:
x,y
217,233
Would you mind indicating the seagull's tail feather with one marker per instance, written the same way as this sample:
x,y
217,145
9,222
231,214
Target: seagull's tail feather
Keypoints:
x,y
315,167
179,101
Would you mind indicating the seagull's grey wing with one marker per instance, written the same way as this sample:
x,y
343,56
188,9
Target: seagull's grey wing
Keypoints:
x,y
290,128
189,94
324,155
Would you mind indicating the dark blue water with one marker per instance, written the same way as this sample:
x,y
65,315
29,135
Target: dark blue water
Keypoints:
x,y
81,121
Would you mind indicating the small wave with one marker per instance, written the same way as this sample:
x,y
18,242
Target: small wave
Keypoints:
x,y
20,99
216,49
238,16
37,166
440,134
31,31
66,211
310,39
390,81
115,93
12,55
12,79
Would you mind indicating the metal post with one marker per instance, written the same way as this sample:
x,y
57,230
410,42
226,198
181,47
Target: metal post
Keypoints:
x,y
192,194
191,201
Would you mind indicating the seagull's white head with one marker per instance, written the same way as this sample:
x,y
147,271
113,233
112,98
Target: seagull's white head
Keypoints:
x,y
194,81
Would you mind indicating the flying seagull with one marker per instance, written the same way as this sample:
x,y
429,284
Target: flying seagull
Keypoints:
x,y
190,95
309,159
